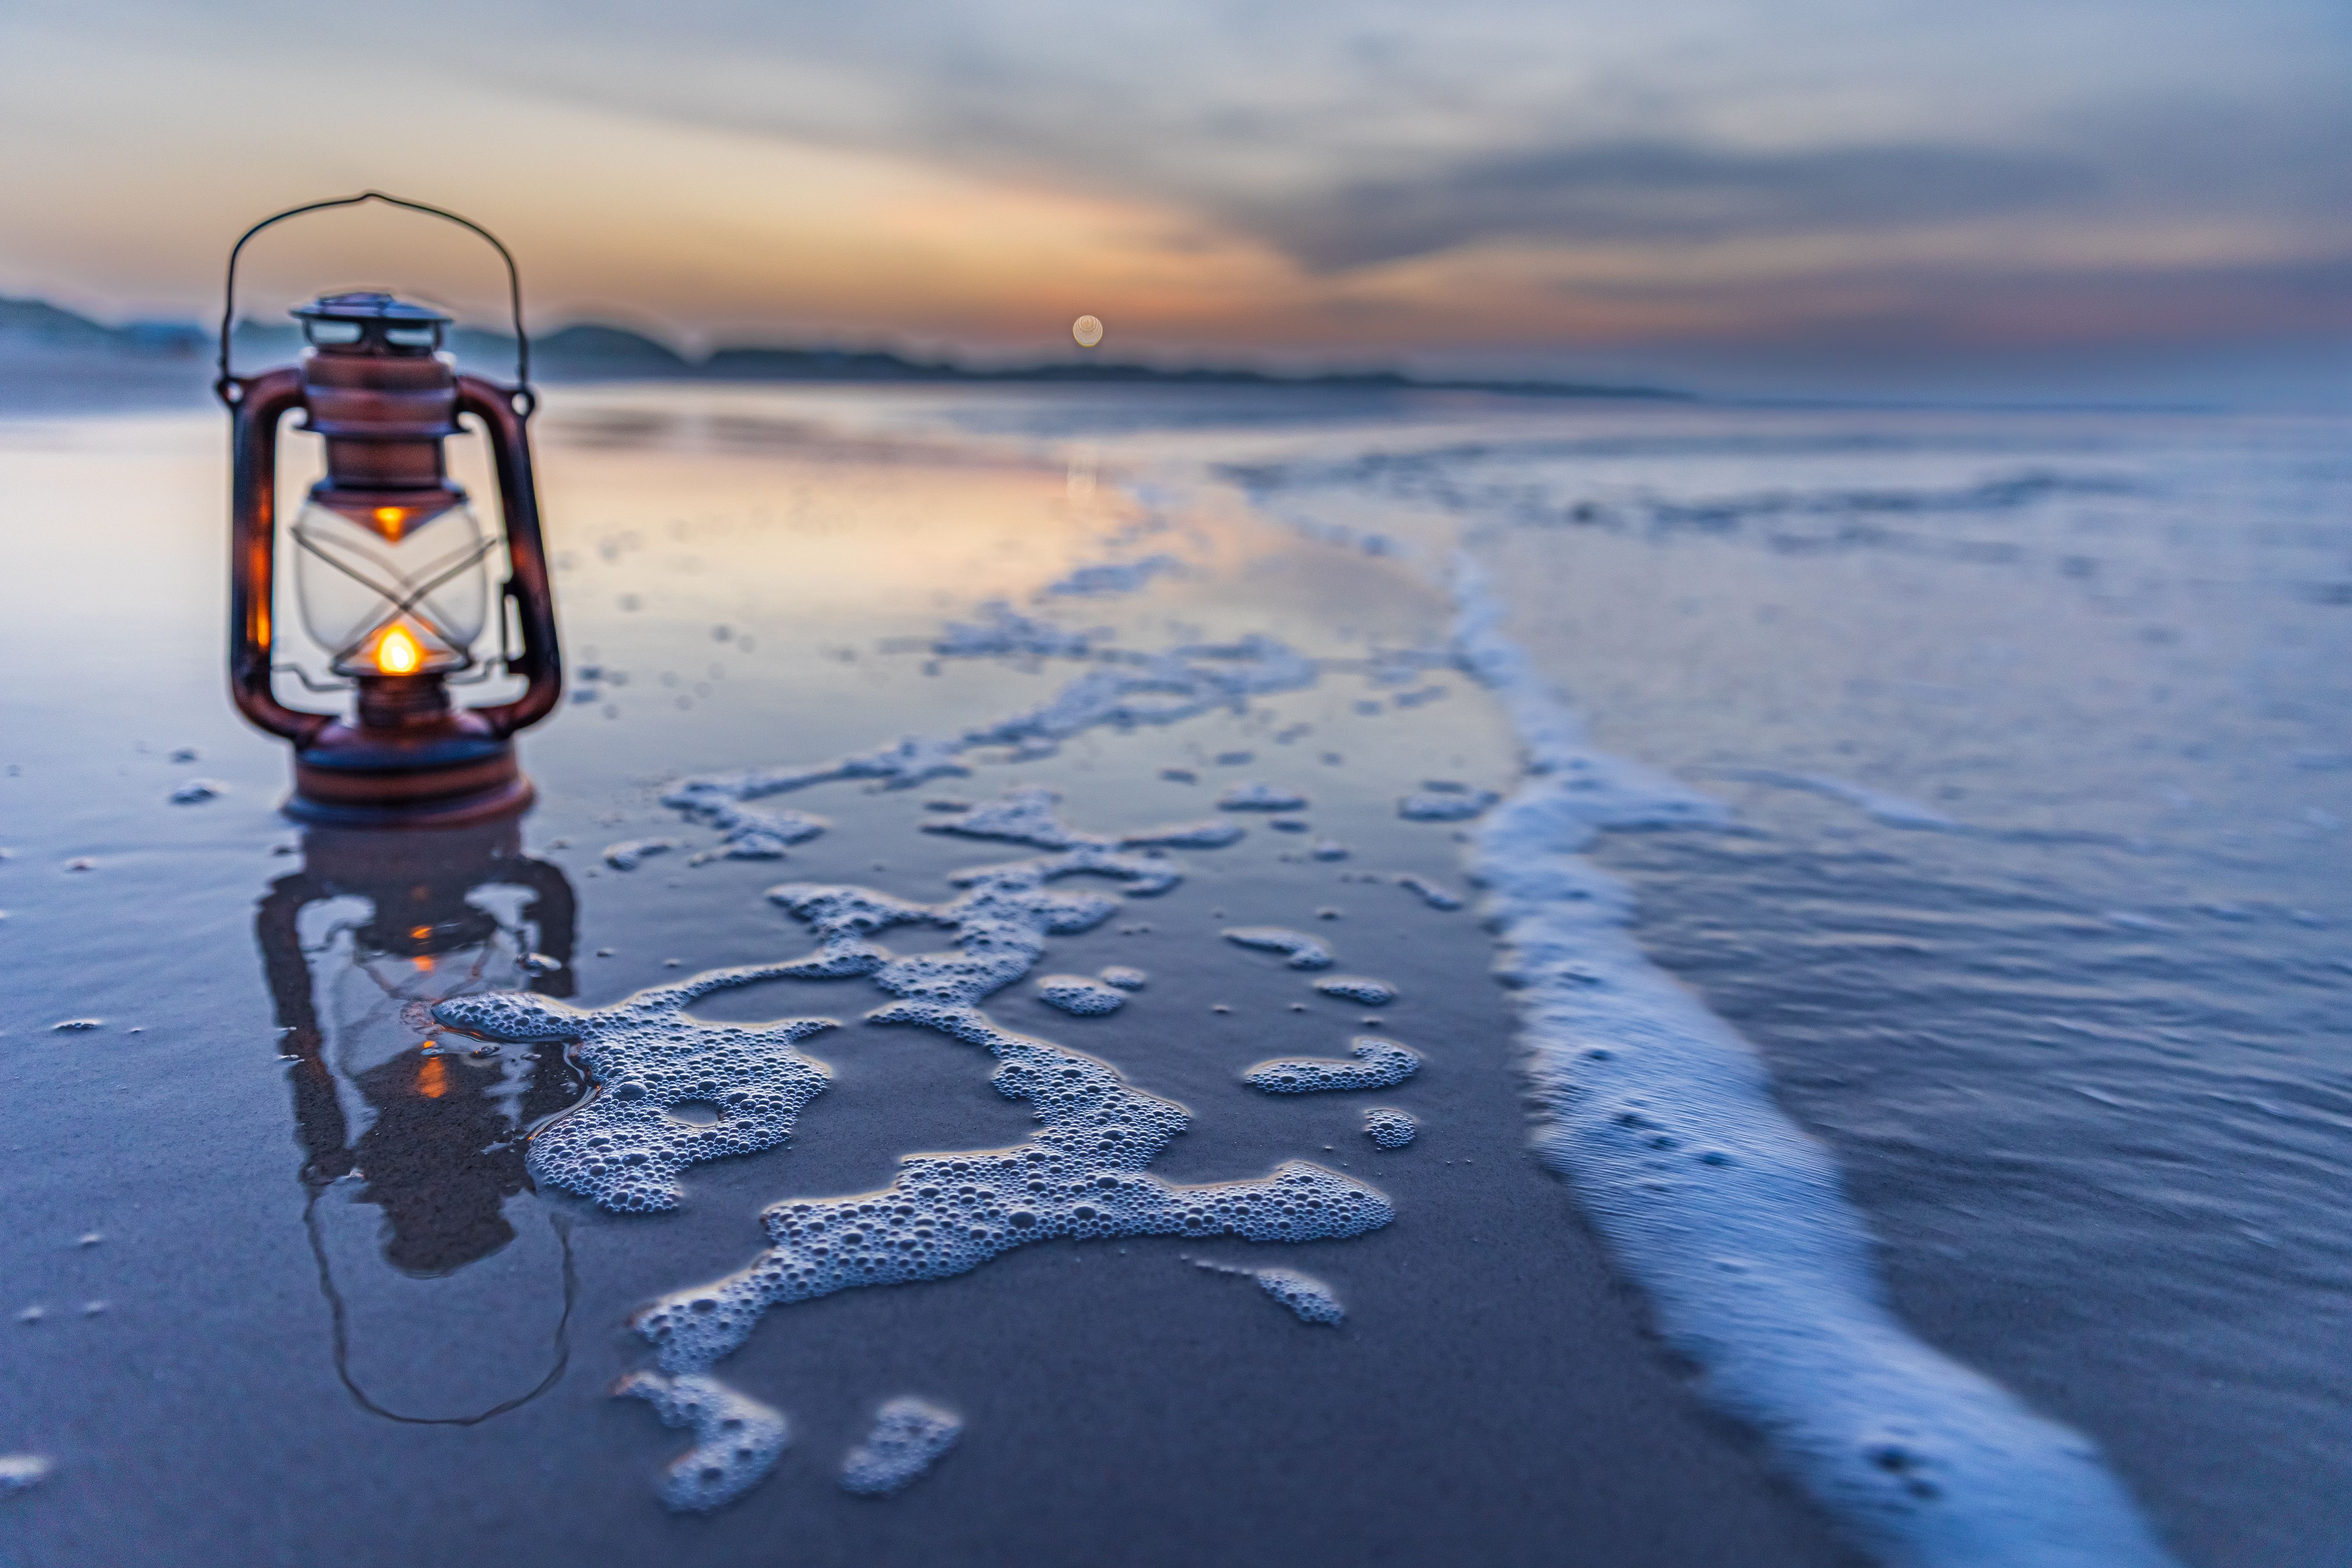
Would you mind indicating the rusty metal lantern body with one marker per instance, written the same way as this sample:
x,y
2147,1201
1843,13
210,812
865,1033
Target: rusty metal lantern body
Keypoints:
x,y
392,567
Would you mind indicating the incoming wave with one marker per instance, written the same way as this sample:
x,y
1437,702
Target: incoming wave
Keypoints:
x,y
1730,1218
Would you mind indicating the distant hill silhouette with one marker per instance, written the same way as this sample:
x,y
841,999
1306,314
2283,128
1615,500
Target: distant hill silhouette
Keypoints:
x,y
591,350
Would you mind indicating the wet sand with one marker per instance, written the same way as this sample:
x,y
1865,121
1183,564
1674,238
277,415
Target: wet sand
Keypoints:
x,y
1491,1395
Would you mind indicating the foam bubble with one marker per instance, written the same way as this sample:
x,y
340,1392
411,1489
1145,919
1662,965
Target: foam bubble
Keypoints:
x,y
1329,850
23,1472
1304,952
631,852
1028,816
1358,988
761,832
1376,1064
1258,797
1115,576
1389,1128
908,1437
1124,976
737,1439
1007,631
1458,803
1309,1299
1078,994
196,792
1664,1119
1122,689
1435,897
624,1149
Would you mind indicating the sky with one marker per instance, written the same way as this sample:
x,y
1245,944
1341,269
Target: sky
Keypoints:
x,y
1752,194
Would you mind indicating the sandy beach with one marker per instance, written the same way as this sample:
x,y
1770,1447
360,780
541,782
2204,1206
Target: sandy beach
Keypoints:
x,y
750,593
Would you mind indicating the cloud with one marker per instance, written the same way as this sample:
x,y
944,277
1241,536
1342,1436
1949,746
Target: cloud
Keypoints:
x,y
1641,190
1322,175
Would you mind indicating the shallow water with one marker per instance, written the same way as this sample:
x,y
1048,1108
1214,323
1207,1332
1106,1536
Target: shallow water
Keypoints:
x,y
2029,733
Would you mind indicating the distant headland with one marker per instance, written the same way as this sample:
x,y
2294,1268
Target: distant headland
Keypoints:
x,y
590,352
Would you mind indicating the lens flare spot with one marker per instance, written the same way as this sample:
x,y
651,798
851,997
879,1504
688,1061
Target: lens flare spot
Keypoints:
x,y
1087,331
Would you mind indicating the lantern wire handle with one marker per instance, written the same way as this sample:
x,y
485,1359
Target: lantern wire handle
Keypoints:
x,y
226,384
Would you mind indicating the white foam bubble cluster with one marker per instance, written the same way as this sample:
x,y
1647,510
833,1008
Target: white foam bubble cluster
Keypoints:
x,y
1435,897
1115,576
1358,988
1122,689
1029,815
1730,1218
1309,1299
1075,993
1454,804
908,1437
1257,796
631,852
737,1439
1081,1176
1370,1062
625,1148
1390,1128
758,833
1007,631
1124,976
23,1472
1304,952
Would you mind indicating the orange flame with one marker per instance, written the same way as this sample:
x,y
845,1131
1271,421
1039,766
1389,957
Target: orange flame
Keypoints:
x,y
396,652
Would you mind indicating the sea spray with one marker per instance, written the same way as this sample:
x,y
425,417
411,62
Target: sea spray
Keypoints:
x,y
1731,1218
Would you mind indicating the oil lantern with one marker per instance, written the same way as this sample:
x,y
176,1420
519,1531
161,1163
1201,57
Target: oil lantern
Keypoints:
x,y
393,572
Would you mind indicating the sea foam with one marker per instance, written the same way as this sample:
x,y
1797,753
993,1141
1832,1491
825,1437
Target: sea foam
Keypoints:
x,y
625,1148
1123,689
1370,1062
1728,1216
1083,1174
737,1439
908,1437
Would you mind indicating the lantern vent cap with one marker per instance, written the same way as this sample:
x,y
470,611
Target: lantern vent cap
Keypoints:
x,y
369,305
371,322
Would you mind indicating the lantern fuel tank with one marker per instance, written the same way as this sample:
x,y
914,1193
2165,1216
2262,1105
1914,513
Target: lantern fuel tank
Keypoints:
x,y
393,575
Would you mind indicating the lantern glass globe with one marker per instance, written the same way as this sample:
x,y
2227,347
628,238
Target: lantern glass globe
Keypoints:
x,y
392,590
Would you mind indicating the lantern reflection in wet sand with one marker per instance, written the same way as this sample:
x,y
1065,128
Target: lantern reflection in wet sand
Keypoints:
x,y
413,1143
393,570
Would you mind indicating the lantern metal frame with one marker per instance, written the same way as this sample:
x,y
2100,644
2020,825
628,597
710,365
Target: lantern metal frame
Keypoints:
x,y
407,755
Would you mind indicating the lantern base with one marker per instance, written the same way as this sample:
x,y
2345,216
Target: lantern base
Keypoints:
x,y
444,772
506,799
